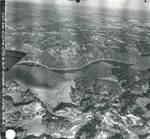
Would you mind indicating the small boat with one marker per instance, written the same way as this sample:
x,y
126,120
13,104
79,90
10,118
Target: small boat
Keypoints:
x,y
145,54
12,57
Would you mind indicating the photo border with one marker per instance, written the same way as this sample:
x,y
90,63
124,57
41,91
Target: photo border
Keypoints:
x,y
2,60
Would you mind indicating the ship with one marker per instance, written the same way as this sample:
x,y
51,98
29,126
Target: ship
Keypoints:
x,y
13,57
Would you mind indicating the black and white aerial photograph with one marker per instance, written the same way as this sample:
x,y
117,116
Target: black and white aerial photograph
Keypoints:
x,y
76,69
